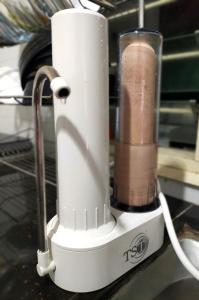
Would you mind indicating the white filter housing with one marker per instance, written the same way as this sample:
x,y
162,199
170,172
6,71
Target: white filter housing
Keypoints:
x,y
80,55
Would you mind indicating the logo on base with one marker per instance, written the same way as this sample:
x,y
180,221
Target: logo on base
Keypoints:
x,y
137,249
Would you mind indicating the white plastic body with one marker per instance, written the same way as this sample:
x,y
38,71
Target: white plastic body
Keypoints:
x,y
85,262
80,55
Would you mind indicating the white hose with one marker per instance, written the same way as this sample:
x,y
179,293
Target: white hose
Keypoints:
x,y
174,240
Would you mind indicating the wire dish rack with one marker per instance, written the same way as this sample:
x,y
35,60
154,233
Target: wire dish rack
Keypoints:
x,y
19,156
18,206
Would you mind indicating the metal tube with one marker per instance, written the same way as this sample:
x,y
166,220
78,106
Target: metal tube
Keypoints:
x,y
141,13
43,74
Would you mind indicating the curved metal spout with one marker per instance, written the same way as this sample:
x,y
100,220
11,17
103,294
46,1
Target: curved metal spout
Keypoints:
x,y
60,89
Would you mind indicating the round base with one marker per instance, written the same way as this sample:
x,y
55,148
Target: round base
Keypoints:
x,y
103,260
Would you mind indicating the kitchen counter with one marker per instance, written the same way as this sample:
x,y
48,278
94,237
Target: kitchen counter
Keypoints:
x,y
18,243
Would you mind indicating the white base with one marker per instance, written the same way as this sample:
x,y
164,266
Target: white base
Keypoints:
x,y
85,263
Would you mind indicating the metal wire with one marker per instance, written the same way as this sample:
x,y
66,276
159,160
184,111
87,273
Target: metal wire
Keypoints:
x,y
22,97
18,212
19,155
24,170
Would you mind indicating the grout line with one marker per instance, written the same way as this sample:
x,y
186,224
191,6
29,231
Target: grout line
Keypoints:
x,y
183,212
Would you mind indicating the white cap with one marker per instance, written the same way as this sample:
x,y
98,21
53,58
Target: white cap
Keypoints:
x,y
59,87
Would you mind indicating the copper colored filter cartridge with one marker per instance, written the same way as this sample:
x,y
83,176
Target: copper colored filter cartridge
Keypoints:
x,y
136,151
137,94
136,174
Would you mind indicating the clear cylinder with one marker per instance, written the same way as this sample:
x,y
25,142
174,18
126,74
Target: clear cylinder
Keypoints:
x,y
136,149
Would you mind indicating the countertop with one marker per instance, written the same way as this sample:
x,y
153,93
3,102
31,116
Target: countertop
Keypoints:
x,y
18,242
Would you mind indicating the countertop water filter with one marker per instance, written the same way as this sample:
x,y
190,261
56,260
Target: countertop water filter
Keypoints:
x,y
89,244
